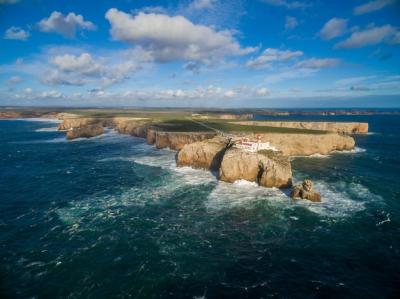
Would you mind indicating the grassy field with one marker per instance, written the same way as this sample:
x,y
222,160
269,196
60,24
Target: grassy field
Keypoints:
x,y
186,125
229,127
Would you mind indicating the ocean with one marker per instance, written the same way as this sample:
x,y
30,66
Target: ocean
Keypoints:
x,y
112,217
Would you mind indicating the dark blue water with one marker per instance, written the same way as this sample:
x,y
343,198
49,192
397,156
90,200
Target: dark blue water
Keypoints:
x,y
112,217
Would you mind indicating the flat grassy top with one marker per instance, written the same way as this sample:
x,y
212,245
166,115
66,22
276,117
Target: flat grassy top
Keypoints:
x,y
229,127
180,126
156,115
186,125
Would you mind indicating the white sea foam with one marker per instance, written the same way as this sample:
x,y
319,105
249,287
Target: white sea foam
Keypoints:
x,y
338,199
50,129
36,119
244,194
356,150
336,202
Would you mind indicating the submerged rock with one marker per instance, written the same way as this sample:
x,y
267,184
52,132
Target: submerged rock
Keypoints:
x,y
86,131
305,191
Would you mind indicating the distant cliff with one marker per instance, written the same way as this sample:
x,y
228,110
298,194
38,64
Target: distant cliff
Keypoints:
x,y
337,127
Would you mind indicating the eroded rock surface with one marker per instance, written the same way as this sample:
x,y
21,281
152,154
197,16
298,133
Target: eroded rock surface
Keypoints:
x,y
305,191
206,154
267,171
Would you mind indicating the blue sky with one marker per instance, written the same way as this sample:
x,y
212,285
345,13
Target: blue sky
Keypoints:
x,y
200,53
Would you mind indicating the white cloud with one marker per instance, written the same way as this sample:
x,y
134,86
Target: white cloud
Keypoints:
x,y
372,6
82,68
287,4
290,23
16,33
318,63
13,80
333,28
52,94
55,77
353,80
202,4
173,38
67,25
28,90
84,64
229,93
272,55
371,36
262,91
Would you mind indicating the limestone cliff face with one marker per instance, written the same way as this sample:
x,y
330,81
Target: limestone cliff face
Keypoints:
x,y
308,144
151,136
255,167
132,126
123,125
337,127
85,131
9,114
70,123
176,140
205,154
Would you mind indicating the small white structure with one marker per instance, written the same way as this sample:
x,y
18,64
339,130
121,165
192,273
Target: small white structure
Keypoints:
x,y
254,146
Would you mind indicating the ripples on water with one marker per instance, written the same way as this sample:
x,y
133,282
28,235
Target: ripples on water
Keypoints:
x,y
114,217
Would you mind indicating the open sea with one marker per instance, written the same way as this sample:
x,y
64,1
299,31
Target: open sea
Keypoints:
x,y
112,217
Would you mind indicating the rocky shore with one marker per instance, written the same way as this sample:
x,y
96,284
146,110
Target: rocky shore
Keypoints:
x,y
207,151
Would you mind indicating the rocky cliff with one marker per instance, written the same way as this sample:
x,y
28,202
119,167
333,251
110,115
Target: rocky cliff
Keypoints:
x,y
205,154
267,171
86,131
308,144
176,140
74,122
337,127
234,164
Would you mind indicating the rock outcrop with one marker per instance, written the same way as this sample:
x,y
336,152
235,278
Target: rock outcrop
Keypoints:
x,y
85,131
308,144
336,127
205,154
267,171
305,191
77,122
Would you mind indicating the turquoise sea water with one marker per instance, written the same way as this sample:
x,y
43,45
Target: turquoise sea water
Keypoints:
x,y
112,217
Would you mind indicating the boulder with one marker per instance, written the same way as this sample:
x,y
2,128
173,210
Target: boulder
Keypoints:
x,y
305,191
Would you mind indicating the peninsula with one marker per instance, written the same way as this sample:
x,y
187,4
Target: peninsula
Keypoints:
x,y
232,145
